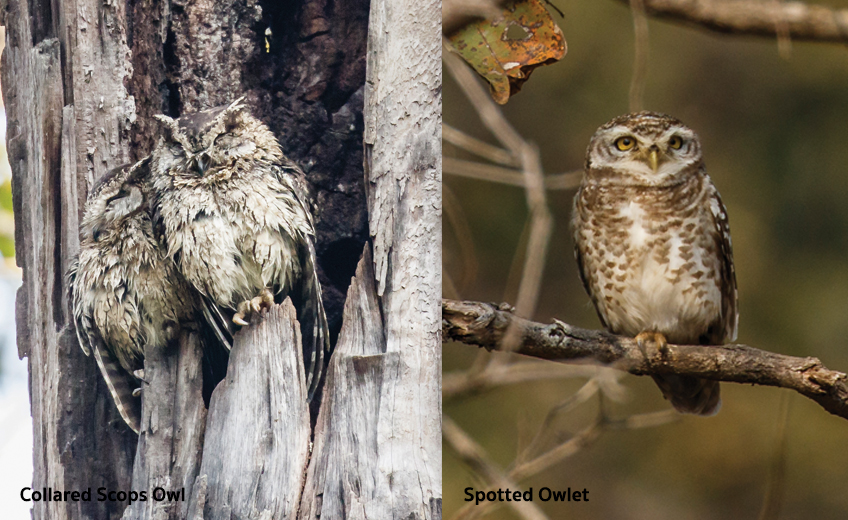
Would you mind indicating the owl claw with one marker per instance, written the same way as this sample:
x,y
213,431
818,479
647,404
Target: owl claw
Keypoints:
x,y
264,300
136,392
651,339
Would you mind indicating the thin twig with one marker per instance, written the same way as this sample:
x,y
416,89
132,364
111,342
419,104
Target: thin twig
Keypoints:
x,y
564,181
491,173
482,102
540,232
775,488
479,148
640,55
574,445
455,216
482,171
784,40
461,384
586,392
475,457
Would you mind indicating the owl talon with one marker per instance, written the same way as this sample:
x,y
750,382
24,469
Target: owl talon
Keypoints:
x,y
246,309
139,374
136,392
265,300
651,339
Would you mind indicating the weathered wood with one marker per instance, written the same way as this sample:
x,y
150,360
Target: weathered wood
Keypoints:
x,y
403,169
258,431
77,442
81,81
172,427
343,479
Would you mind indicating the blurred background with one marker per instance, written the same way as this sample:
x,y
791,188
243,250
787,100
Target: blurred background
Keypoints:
x,y
774,131
15,420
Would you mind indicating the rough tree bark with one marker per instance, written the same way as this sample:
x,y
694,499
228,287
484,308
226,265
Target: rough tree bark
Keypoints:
x,y
81,81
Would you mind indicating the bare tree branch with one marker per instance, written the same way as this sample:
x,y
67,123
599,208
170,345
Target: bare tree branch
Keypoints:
x,y
485,325
795,20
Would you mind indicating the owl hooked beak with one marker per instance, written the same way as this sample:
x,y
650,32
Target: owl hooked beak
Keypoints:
x,y
200,162
653,156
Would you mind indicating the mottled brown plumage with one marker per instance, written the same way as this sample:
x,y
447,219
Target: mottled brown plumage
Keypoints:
x,y
124,291
653,244
236,220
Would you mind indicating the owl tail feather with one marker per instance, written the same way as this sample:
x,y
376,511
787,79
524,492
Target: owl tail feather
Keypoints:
x,y
313,321
121,385
689,394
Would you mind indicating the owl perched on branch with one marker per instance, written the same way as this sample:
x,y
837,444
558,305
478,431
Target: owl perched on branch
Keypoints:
x,y
236,220
124,291
653,244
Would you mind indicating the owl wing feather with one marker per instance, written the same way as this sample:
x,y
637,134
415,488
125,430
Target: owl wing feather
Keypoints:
x,y
307,294
313,319
119,382
729,318
121,386
213,315
82,322
582,269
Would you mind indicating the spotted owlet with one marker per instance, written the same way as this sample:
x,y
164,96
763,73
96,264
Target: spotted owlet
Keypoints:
x,y
653,244
124,291
237,222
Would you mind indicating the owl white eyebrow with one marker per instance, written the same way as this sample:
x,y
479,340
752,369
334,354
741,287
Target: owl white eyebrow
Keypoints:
x,y
679,132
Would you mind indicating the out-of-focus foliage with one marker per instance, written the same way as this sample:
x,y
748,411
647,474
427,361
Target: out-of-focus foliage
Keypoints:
x,y
505,51
774,134
7,221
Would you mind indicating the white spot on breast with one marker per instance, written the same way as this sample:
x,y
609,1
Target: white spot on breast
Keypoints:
x,y
656,294
637,233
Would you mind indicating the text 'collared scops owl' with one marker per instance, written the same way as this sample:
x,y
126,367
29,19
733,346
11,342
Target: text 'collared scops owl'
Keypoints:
x,y
237,222
653,244
125,293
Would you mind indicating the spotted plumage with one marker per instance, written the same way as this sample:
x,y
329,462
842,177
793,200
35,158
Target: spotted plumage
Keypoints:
x,y
653,244
237,222
124,291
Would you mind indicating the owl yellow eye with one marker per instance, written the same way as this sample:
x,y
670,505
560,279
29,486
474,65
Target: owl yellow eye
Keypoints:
x,y
675,142
625,143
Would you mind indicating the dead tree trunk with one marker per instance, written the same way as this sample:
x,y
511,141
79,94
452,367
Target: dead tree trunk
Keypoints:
x,y
81,82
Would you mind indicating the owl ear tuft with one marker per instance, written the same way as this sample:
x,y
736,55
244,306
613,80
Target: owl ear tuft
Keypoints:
x,y
236,106
168,123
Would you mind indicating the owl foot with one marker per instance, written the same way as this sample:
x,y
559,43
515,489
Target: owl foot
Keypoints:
x,y
247,308
138,374
651,339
